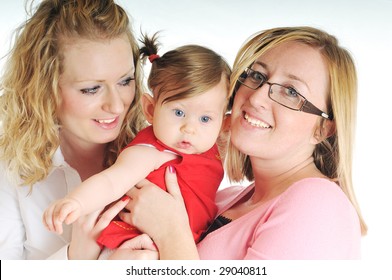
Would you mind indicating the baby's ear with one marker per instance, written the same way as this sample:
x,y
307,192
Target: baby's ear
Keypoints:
x,y
148,105
226,123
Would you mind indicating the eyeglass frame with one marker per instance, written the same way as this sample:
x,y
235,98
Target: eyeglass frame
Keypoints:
x,y
306,107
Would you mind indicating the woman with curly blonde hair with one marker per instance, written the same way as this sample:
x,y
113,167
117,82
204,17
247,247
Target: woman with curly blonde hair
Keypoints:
x,y
69,103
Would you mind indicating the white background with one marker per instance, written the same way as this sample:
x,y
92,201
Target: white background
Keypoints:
x,y
364,27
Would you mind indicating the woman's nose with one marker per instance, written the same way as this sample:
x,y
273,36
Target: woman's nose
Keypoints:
x,y
113,102
259,97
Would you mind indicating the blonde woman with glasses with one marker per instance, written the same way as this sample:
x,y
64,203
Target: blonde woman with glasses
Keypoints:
x,y
292,133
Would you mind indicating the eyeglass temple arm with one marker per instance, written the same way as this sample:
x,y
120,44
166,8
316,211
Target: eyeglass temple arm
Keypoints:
x,y
310,108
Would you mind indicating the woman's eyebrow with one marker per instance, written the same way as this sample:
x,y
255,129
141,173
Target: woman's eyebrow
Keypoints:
x,y
261,64
296,78
289,75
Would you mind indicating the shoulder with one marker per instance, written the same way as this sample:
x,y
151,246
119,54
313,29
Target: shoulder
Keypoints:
x,y
317,201
6,181
314,190
313,219
145,137
146,134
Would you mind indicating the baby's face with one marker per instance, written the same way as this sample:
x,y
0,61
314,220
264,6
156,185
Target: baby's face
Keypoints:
x,y
191,125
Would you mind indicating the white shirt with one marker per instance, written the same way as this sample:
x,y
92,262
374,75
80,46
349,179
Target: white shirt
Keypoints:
x,y
22,233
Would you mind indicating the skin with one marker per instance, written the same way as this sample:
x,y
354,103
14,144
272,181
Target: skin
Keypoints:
x,y
95,96
96,92
284,142
278,140
190,125
277,121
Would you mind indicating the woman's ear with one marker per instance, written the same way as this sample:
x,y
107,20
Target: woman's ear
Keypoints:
x,y
148,105
325,129
224,135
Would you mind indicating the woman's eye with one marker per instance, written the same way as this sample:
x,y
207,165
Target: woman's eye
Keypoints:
x,y
291,92
205,119
179,113
257,76
127,81
92,90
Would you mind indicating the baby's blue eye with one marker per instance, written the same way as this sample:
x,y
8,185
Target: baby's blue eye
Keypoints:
x,y
205,119
179,113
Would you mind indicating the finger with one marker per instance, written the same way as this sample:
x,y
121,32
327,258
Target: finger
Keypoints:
x,y
58,227
171,182
110,213
126,254
63,212
92,218
143,183
126,217
142,241
72,217
47,219
138,186
58,224
146,255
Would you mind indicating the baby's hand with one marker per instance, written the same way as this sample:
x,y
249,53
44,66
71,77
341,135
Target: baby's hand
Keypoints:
x,y
64,210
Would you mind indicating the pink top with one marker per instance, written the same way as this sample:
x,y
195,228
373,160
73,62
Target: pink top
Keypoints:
x,y
313,219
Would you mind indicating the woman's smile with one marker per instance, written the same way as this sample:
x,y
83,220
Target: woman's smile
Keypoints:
x,y
255,122
107,123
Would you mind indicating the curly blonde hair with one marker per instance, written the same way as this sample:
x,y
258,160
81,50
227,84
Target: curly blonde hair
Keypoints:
x,y
333,156
30,92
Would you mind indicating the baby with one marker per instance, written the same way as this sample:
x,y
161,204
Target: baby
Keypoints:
x,y
190,87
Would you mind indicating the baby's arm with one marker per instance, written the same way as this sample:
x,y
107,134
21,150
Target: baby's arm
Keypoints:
x,y
133,165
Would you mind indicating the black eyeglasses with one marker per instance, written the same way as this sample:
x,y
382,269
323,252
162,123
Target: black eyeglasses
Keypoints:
x,y
285,96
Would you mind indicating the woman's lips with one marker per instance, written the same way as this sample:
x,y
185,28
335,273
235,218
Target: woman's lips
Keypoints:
x,y
107,123
256,122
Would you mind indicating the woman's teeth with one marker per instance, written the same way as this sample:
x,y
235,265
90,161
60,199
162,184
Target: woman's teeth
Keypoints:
x,y
106,121
255,122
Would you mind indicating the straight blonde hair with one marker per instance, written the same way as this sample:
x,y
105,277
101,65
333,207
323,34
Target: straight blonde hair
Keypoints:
x,y
333,156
